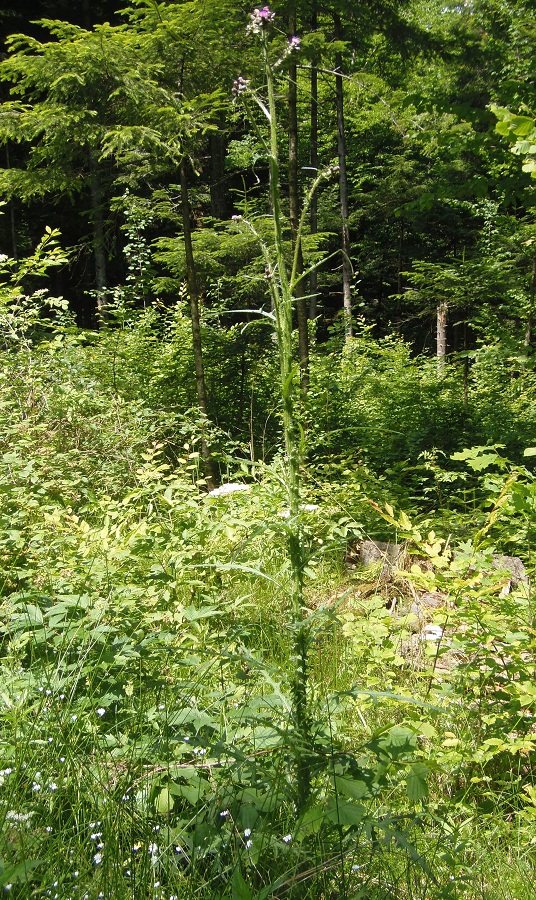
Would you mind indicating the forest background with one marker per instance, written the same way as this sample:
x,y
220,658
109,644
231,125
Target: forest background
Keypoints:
x,y
267,293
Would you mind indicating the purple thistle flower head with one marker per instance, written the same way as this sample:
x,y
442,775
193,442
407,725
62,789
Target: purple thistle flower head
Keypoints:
x,y
240,86
260,19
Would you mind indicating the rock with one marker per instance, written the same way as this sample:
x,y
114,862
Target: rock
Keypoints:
x,y
367,553
515,569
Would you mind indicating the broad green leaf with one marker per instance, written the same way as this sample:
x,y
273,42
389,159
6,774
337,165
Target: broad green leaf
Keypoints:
x,y
346,813
311,820
164,801
416,782
18,874
354,789
241,890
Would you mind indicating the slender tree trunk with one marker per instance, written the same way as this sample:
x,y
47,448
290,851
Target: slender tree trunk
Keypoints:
x,y
400,253
217,146
99,252
441,336
294,203
11,213
343,186
193,291
86,15
530,316
313,214
465,366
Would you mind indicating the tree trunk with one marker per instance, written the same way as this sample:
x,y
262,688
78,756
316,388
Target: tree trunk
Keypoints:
x,y
400,255
441,337
11,213
97,220
86,15
343,186
217,146
193,291
313,212
294,203
530,316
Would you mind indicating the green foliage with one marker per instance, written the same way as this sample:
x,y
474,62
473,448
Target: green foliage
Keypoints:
x,y
521,131
198,696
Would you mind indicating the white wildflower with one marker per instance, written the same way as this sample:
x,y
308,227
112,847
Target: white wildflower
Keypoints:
x,y
231,488
432,633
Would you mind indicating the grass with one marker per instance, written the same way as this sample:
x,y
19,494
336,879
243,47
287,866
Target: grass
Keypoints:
x,y
155,762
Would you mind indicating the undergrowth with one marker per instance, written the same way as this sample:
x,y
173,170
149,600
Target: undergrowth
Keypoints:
x,y
149,745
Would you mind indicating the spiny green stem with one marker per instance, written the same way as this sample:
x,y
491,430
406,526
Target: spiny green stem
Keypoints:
x,y
283,304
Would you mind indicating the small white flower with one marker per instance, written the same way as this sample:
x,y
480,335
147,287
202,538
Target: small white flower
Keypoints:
x,y
230,488
36,787
53,786
13,816
101,711
97,859
49,829
247,832
432,633
224,813
74,718
248,844
287,839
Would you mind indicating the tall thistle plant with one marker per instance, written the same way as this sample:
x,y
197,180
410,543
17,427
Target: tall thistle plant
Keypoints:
x,y
283,282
